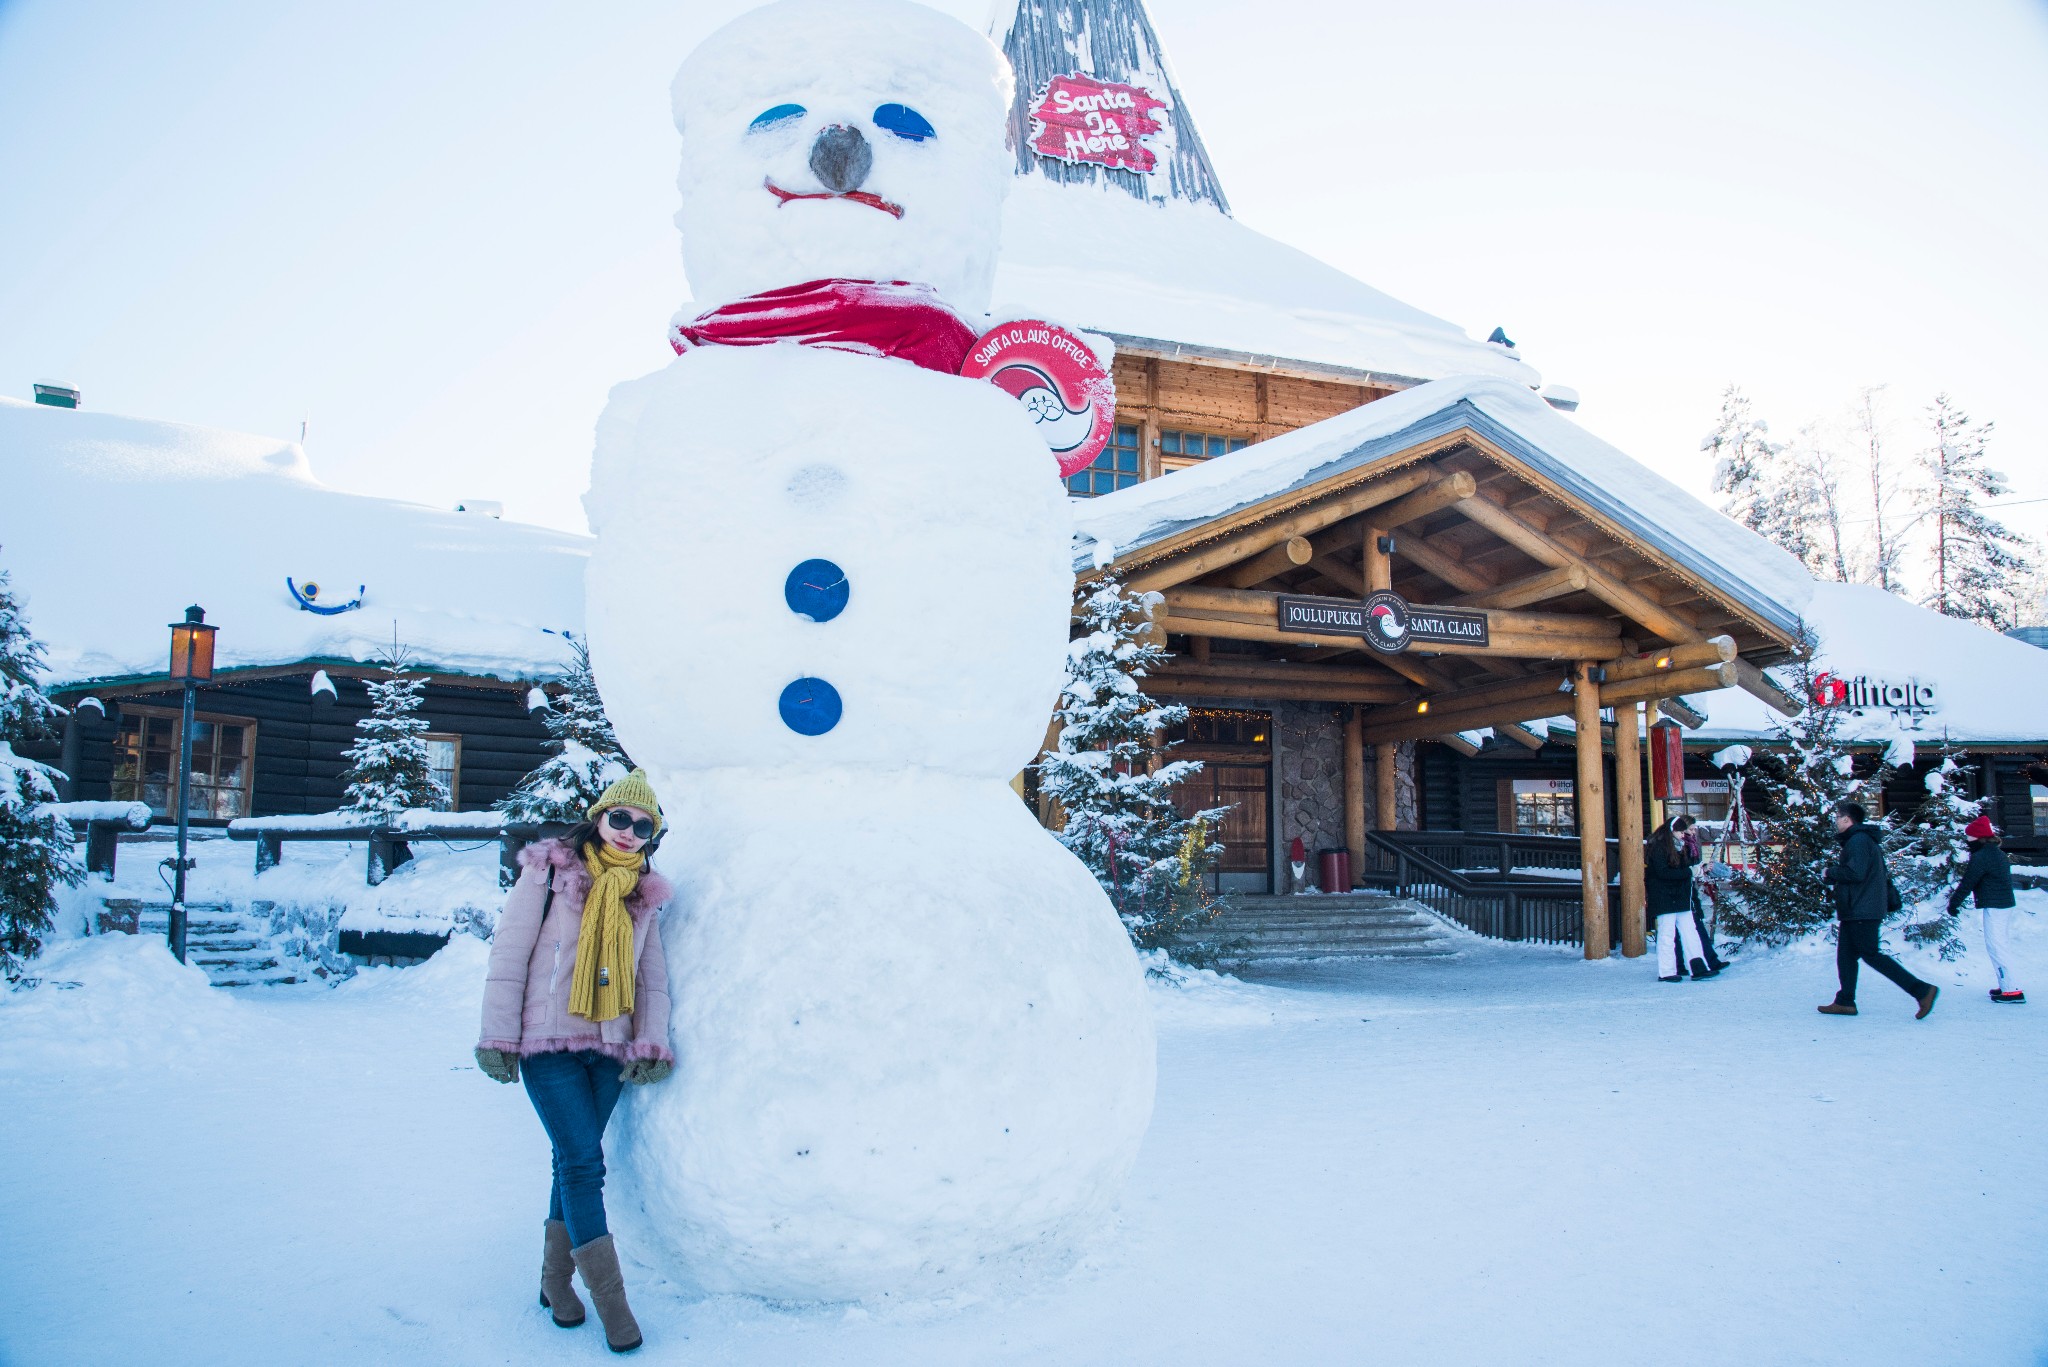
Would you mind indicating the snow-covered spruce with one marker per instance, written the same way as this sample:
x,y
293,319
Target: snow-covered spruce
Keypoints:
x,y
36,853
588,757
1769,487
1106,774
1976,563
1932,854
389,767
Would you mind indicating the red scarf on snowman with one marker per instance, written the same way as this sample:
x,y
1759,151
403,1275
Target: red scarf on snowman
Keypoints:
x,y
871,317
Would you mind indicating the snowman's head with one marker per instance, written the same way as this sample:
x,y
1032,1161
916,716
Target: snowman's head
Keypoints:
x,y
858,139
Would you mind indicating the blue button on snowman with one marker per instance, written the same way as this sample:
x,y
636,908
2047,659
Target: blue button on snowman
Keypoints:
x,y
816,589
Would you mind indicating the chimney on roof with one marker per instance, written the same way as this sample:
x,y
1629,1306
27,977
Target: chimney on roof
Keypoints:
x,y
54,395
489,507
1096,102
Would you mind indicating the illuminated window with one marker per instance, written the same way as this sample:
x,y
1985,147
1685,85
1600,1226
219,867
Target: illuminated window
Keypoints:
x,y
1543,806
223,763
1115,468
444,758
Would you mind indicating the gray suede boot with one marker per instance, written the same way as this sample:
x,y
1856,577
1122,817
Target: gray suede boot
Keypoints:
x,y
557,1289
598,1261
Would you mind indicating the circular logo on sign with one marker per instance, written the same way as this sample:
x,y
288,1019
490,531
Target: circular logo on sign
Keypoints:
x,y
1386,623
1059,380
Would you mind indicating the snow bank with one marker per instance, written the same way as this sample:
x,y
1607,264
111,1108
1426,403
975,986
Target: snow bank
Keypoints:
x,y
112,1001
1723,551
1177,272
465,593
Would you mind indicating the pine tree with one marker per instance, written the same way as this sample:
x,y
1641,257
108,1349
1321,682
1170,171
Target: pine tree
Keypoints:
x,y
1799,781
588,757
1106,775
36,854
1933,851
389,768
1979,566
1887,548
1768,489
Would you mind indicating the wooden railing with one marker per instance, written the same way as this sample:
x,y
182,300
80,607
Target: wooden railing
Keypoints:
x,y
100,825
389,843
1487,882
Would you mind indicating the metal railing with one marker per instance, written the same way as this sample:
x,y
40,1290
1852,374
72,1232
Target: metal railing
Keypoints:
x,y
1483,880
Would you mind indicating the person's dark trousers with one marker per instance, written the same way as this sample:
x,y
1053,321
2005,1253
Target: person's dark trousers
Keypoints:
x,y
1857,941
574,1094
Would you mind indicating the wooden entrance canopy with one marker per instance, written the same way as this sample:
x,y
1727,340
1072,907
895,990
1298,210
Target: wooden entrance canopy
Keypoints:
x,y
1586,608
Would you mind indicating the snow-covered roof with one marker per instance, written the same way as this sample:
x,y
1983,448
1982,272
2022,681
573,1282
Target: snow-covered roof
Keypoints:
x,y
1720,551
1170,272
112,525
1988,688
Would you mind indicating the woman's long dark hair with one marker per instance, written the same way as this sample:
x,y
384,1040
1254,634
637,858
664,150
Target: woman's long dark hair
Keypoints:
x,y
1663,844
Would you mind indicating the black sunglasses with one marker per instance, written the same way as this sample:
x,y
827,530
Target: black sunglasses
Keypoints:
x,y
618,819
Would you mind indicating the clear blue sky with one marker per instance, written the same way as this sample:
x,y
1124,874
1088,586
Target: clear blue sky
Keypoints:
x,y
439,232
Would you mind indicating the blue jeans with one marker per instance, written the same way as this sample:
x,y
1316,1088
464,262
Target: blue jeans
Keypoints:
x,y
574,1094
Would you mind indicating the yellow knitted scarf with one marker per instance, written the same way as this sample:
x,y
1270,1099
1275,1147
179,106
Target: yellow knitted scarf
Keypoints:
x,y
602,986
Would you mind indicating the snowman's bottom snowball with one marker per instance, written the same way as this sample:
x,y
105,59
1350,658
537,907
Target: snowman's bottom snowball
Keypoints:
x,y
913,1049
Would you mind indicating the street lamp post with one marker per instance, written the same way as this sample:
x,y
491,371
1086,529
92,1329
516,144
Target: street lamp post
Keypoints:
x,y
192,665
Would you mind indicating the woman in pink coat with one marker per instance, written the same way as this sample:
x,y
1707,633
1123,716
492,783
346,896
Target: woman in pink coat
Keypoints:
x,y
576,999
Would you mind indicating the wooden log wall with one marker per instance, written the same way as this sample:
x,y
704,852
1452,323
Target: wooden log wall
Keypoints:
x,y
1216,397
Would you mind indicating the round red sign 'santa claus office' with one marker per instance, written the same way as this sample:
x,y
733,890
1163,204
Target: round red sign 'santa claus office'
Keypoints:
x,y
1059,380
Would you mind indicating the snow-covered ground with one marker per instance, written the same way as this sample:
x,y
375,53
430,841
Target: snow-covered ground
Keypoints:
x,y
1507,1157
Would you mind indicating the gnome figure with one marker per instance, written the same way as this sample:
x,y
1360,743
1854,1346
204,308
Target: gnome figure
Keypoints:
x,y
828,606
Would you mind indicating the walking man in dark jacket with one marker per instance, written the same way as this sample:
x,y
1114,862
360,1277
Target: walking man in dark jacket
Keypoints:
x,y
1989,876
1863,893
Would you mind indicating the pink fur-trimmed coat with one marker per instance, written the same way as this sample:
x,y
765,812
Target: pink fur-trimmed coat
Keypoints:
x,y
533,959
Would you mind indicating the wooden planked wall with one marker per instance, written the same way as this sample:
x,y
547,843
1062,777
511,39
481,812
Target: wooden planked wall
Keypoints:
x,y
1153,394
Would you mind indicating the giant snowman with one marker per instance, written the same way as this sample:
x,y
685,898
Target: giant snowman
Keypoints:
x,y
828,606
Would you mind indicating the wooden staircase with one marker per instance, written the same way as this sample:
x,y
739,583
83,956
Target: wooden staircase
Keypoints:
x,y
1357,925
233,949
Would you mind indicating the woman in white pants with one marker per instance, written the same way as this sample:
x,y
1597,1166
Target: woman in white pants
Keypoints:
x,y
1667,882
1989,876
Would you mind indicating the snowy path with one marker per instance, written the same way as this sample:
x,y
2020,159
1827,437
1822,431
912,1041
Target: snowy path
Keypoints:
x,y
1510,1157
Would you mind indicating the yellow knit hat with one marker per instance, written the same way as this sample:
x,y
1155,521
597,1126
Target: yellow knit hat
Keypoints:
x,y
631,791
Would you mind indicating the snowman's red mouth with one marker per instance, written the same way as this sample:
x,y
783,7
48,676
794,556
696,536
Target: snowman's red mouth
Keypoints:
x,y
857,196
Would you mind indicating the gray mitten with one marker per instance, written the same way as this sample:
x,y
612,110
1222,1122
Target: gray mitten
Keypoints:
x,y
497,1064
645,1070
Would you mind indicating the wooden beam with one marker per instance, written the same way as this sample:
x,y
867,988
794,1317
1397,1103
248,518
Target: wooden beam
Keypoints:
x,y
1714,650
1290,554
1458,743
1534,588
1631,603
1378,565
1452,488
1385,800
1402,721
1680,711
1751,680
1340,574
1550,683
1518,735
1169,685
1418,551
1278,671
1243,545
1591,791
1354,794
1671,684
1628,830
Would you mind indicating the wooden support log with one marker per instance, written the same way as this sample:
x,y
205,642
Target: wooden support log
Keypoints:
x,y
1714,650
1234,626
1452,488
1290,554
1458,743
1243,545
1682,712
1628,828
1671,683
1518,735
1354,794
1752,681
1631,603
1418,551
1279,671
1550,683
1401,721
1385,789
1375,561
1170,686
1340,574
1520,593
1590,789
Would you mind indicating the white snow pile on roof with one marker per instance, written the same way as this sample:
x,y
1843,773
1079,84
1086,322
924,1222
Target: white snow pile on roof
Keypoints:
x,y
1988,687
110,526
1604,476
1095,257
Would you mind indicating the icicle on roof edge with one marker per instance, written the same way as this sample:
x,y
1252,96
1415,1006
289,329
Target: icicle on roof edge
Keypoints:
x,y
1111,40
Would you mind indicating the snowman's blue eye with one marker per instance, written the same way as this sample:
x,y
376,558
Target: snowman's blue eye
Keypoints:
x,y
768,118
904,122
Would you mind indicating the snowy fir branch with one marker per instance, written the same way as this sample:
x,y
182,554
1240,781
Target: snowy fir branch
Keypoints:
x,y
587,759
37,856
390,770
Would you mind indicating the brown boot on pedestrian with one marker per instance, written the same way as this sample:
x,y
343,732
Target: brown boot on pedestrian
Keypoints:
x,y
1926,1003
1838,1009
557,1288
598,1261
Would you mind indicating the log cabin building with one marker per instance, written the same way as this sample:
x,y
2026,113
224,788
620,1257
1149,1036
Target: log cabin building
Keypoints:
x,y
1420,616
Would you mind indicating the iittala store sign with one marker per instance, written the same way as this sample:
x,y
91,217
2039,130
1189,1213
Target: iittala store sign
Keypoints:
x,y
1911,696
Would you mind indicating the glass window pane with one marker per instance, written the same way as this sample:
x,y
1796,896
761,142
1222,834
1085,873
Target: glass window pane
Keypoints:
x,y
1127,460
1127,436
1169,442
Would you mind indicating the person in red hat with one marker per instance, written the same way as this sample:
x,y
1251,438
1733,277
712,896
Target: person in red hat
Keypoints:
x,y
1989,876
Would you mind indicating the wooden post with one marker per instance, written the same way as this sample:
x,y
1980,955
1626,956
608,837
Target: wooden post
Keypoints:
x,y
1651,716
1378,565
1354,793
1628,800
1383,786
1591,791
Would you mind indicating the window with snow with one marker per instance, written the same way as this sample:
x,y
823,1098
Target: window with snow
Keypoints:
x,y
444,757
223,763
1115,468
1178,450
